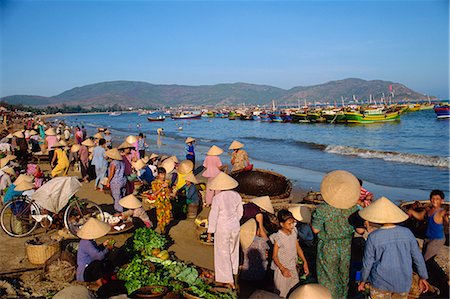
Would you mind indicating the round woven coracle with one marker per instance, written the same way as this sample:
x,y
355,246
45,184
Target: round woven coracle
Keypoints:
x,y
39,254
260,182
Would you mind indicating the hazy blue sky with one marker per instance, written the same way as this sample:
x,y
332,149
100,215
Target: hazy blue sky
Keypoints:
x,y
48,47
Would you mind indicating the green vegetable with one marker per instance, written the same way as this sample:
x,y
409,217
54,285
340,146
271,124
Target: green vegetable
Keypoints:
x,y
146,239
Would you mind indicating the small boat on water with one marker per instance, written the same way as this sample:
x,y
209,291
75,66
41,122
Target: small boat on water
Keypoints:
x,y
186,115
371,116
442,111
260,182
157,118
115,113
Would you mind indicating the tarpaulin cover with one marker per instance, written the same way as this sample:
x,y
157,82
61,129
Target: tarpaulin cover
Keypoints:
x,y
55,194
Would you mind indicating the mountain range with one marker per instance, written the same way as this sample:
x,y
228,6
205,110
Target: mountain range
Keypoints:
x,y
142,94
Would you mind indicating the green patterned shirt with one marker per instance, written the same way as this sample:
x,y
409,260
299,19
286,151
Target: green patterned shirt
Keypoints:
x,y
333,222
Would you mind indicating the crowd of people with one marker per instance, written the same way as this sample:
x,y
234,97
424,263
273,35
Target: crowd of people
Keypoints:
x,y
254,246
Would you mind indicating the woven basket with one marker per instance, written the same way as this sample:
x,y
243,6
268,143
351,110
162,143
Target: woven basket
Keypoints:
x,y
39,254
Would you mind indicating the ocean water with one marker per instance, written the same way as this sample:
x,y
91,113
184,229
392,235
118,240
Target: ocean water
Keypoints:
x,y
401,160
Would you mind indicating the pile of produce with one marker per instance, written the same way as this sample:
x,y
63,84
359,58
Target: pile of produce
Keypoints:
x,y
152,265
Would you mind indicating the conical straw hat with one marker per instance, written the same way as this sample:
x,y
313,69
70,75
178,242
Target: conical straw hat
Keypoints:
x,y
75,148
223,182
98,135
131,139
264,203
9,170
93,229
247,233
191,178
383,211
130,202
189,139
23,186
107,132
214,151
57,144
185,167
18,134
23,178
174,158
125,145
145,159
4,162
236,145
50,132
301,213
63,142
340,189
114,154
311,291
153,156
168,165
11,157
9,136
88,142
139,164
33,132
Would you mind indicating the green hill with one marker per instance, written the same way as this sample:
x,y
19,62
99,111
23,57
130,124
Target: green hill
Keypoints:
x,y
143,94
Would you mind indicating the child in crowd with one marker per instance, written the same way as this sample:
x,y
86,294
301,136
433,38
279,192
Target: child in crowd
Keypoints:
x,y
286,251
161,192
135,210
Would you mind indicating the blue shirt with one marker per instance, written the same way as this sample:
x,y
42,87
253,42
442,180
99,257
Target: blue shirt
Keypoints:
x,y
190,149
88,251
388,258
191,194
146,175
11,194
98,157
434,230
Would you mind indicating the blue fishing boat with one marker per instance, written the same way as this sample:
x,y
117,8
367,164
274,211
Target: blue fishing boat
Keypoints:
x,y
442,111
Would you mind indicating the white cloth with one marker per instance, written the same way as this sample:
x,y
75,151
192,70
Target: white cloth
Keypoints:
x,y
5,180
5,147
55,194
154,170
223,221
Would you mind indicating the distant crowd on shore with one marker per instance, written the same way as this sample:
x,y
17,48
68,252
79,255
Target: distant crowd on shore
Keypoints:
x,y
348,241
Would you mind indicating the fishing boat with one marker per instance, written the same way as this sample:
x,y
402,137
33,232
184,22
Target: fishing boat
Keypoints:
x,y
442,111
371,116
115,113
315,116
246,117
186,115
334,116
157,118
300,117
260,182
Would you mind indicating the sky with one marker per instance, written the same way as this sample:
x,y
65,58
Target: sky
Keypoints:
x,y
48,47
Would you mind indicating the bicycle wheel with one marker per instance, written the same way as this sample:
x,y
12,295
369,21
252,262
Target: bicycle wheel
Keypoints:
x,y
17,217
78,212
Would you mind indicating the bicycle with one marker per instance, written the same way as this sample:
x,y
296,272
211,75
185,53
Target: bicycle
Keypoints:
x,y
20,217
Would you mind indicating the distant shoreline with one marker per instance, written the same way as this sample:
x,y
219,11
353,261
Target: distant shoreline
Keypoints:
x,y
77,114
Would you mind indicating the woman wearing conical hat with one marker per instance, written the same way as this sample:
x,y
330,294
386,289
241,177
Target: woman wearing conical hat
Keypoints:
x,y
116,177
128,157
213,166
60,161
258,208
223,222
83,155
239,157
91,258
50,139
390,253
135,211
190,152
340,190
100,163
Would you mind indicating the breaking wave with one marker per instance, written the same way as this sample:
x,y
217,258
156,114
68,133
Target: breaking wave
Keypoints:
x,y
390,156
